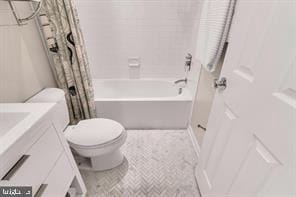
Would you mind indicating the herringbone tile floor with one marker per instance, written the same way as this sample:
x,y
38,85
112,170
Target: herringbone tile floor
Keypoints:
x,y
159,163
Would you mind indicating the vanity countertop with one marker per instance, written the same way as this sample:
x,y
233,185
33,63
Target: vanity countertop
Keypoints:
x,y
17,118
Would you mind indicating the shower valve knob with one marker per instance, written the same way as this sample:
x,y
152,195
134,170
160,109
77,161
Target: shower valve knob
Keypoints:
x,y
220,84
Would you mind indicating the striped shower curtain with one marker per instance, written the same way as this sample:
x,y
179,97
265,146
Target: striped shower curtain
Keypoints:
x,y
60,24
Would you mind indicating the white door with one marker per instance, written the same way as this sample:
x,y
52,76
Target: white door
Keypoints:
x,y
250,145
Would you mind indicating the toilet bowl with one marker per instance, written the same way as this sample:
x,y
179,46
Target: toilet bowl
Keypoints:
x,y
98,140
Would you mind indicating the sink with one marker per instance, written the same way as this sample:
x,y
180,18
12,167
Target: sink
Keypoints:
x,y
8,120
16,119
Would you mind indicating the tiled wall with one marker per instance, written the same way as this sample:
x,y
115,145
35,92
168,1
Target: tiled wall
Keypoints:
x,y
158,32
24,67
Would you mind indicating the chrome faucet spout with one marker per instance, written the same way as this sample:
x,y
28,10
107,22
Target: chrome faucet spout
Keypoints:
x,y
181,81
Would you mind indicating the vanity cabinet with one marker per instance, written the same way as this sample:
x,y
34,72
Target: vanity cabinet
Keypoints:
x,y
43,160
59,179
35,165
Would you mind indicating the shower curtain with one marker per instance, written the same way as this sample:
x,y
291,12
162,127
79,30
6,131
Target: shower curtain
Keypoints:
x,y
60,24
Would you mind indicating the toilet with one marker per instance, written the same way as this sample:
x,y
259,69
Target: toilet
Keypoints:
x,y
97,140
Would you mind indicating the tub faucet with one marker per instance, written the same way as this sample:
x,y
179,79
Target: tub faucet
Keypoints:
x,y
180,89
181,81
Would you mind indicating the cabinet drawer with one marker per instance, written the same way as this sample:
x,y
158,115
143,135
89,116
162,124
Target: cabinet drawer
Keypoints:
x,y
40,159
59,179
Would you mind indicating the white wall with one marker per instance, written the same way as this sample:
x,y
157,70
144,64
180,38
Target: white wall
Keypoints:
x,y
159,32
24,67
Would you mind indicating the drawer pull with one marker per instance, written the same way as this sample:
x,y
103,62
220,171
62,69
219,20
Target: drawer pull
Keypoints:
x,y
15,168
40,190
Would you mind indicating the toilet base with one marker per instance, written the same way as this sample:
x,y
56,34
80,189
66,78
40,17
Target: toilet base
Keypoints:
x,y
107,161
102,162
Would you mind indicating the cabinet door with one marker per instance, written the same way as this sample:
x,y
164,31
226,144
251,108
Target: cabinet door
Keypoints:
x,y
59,179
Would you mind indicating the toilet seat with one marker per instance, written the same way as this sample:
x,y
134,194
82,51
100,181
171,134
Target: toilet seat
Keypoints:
x,y
95,133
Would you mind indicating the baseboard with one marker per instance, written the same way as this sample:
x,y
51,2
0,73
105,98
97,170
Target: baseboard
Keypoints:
x,y
194,141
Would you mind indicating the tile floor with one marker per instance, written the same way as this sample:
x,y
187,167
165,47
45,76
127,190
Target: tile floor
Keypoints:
x,y
158,163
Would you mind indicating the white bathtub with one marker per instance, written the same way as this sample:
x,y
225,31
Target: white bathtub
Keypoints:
x,y
143,104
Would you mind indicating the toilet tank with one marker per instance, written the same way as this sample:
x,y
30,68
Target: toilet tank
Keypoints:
x,y
54,95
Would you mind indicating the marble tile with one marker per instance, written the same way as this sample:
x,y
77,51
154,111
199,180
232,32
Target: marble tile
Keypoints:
x,y
157,163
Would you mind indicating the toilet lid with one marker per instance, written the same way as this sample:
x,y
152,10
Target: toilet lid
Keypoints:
x,y
94,132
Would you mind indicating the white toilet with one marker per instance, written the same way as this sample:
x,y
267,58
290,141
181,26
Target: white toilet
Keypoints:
x,y
98,140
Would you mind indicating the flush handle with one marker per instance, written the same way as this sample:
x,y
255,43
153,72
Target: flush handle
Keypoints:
x,y
220,84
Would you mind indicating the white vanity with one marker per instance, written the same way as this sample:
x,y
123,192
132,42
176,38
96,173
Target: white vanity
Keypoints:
x,y
34,151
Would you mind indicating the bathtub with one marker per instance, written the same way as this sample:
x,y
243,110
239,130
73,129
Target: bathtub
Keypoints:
x,y
143,104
